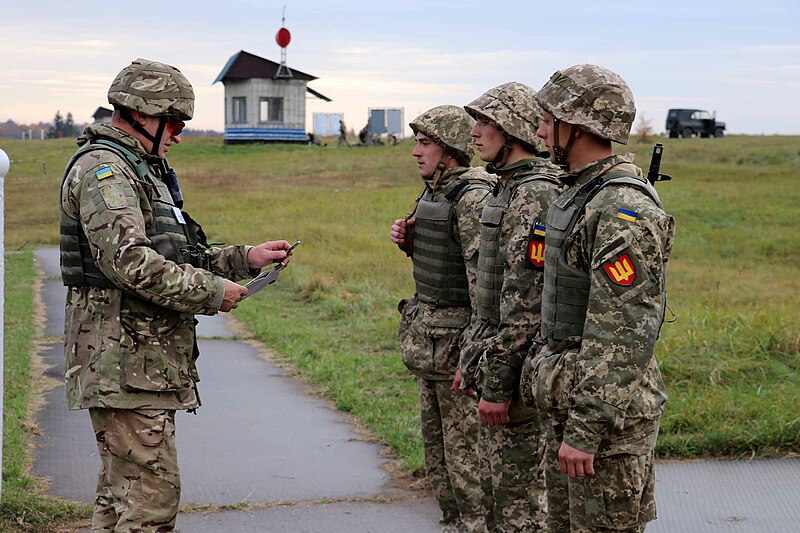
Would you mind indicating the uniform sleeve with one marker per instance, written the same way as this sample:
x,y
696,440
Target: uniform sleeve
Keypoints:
x,y
628,238
521,293
468,226
231,262
111,207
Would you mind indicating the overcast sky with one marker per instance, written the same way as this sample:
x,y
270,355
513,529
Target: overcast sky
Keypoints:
x,y
740,58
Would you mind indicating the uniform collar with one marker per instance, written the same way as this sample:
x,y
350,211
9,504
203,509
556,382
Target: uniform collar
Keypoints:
x,y
512,169
442,181
105,131
588,172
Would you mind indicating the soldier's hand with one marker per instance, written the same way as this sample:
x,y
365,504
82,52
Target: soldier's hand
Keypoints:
x,y
267,253
493,414
399,231
456,386
233,295
403,235
574,462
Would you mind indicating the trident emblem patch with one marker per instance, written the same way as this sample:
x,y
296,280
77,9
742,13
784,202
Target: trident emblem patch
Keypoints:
x,y
536,253
622,272
536,244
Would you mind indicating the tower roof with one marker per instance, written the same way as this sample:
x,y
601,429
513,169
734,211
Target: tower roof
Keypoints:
x,y
243,65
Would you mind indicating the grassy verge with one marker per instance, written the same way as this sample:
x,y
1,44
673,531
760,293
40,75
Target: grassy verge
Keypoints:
x,y
22,507
731,358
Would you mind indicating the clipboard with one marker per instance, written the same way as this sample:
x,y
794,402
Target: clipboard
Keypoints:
x,y
266,278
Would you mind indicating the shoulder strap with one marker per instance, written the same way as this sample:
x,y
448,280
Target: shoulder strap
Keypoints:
x,y
620,178
455,193
136,162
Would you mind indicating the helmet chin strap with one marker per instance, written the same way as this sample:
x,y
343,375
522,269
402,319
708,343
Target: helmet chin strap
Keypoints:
x,y
562,153
154,139
434,179
501,158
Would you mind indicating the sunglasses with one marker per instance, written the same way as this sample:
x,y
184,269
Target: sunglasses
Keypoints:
x,y
175,126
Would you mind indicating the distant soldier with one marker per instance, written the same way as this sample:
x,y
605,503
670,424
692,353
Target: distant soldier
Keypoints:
x,y
593,371
343,134
137,270
442,242
313,140
509,283
363,135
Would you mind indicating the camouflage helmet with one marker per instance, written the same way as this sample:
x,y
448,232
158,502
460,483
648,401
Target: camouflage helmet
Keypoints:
x,y
592,98
511,107
155,89
448,126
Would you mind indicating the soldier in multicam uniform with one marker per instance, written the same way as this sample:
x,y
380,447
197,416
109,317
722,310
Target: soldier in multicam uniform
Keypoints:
x,y
137,270
442,242
510,275
593,370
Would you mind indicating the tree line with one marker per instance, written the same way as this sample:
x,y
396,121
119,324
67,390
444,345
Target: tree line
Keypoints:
x,y
60,127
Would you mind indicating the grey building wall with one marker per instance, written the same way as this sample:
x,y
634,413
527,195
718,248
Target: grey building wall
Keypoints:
x,y
293,93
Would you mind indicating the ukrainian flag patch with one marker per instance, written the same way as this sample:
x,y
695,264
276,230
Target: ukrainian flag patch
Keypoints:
x,y
626,214
104,173
539,230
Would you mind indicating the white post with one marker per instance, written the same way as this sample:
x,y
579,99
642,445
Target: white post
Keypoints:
x,y
4,164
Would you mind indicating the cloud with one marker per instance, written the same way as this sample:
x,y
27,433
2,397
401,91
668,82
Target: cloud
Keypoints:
x,y
771,48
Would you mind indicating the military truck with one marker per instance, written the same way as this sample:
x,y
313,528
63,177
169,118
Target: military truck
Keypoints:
x,y
687,122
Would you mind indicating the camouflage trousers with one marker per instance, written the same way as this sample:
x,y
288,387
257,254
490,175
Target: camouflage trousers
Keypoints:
x,y
138,489
450,429
514,452
619,497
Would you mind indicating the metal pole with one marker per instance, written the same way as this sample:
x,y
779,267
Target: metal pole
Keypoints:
x,y
4,164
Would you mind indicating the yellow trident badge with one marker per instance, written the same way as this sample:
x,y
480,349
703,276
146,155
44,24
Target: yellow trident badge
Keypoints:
x,y
536,244
536,253
622,272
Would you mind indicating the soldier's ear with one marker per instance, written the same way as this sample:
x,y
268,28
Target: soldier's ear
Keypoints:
x,y
139,117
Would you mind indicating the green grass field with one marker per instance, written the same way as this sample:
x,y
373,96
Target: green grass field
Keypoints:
x,y
729,354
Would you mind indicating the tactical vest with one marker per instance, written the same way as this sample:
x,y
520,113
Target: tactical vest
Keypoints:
x,y
565,296
168,236
490,265
439,270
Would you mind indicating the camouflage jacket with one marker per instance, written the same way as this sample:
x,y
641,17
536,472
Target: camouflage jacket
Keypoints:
x,y
616,382
429,335
133,346
503,345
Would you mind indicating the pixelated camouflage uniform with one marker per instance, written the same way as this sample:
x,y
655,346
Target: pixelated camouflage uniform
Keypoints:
x,y
132,346
500,338
604,390
508,295
430,342
593,370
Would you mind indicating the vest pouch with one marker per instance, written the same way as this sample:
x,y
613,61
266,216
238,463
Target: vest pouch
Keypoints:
x,y
559,219
444,327
151,358
492,216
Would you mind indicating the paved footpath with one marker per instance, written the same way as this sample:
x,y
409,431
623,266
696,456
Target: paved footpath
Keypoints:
x,y
298,466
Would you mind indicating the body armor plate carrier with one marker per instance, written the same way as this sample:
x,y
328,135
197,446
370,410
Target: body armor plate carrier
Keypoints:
x,y
181,243
439,270
490,264
566,289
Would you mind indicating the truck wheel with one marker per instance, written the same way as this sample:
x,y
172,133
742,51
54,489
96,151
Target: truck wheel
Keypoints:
x,y
687,132
719,133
